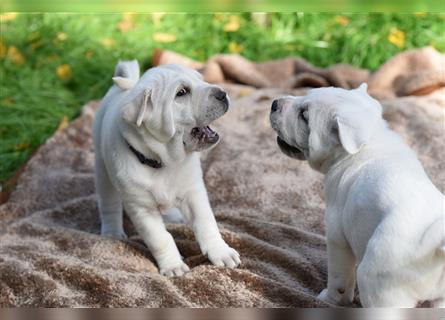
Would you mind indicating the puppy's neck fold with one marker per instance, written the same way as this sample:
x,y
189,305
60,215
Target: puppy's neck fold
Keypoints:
x,y
341,158
332,161
169,154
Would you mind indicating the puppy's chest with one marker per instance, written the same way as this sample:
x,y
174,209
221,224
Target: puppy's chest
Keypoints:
x,y
162,192
164,199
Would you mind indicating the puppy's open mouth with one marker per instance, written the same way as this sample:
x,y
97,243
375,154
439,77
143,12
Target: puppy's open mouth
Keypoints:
x,y
289,150
205,135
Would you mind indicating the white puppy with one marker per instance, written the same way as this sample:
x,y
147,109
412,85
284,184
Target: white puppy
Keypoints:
x,y
383,214
146,135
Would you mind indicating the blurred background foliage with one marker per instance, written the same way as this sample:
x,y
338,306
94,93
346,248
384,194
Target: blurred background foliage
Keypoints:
x,y
51,64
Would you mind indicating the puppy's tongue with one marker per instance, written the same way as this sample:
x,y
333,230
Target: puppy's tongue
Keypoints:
x,y
208,132
205,134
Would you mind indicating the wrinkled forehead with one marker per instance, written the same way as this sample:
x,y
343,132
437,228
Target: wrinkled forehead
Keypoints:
x,y
330,96
340,101
161,80
179,72
168,75
335,97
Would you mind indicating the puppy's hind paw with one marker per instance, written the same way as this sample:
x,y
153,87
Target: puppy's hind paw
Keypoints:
x,y
323,295
339,300
114,234
224,256
175,270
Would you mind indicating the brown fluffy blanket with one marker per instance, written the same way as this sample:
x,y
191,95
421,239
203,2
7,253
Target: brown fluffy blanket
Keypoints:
x,y
413,72
269,207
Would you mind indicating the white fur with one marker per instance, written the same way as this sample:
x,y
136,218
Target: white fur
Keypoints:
x,y
145,113
385,223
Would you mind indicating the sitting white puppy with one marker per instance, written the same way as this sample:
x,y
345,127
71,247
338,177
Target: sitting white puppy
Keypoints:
x,y
383,214
146,135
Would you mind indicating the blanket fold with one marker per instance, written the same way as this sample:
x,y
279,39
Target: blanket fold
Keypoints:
x,y
413,72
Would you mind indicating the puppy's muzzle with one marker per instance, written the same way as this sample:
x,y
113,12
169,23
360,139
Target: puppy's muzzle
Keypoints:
x,y
221,96
275,106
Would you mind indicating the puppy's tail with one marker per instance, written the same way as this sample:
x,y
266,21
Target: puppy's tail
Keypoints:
x,y
126,74
441,249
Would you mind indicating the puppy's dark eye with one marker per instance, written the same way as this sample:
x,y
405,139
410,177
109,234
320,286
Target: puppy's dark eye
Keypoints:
x,y
183,92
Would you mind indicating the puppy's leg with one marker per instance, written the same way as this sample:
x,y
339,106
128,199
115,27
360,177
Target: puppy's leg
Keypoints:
x,y
341,275
110,203
382,288
197,209
158,240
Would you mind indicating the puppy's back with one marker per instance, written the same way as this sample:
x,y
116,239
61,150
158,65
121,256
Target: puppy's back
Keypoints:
x,y
125,71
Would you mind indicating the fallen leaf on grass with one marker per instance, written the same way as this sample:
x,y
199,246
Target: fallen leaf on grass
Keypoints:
x,y
64,123
397,37
8,101
125,26
164,37
235,47
15,55
8,16
233,24
61,36
107,42
342,20
64,72
127,22
21,146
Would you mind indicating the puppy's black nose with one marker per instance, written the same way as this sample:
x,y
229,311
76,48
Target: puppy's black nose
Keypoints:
x,y
274,106
220,95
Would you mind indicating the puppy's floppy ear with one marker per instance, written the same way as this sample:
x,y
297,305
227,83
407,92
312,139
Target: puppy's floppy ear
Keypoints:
x,y
355,124
144,106
352,132
153,108
135,111
161,121
354,128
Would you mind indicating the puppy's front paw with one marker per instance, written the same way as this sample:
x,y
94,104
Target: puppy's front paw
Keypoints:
x,y
223,256
175,270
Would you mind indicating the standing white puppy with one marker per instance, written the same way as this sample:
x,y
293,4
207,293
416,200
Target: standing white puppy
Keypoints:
x,y
385,222
147,134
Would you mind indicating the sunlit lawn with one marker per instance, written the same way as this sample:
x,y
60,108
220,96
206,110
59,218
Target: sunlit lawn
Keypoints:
x,y
51,64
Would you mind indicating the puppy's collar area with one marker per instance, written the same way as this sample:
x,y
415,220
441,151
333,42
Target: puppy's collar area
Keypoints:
x,y
143,159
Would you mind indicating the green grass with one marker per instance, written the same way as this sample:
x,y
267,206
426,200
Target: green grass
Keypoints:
x,y
34,100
